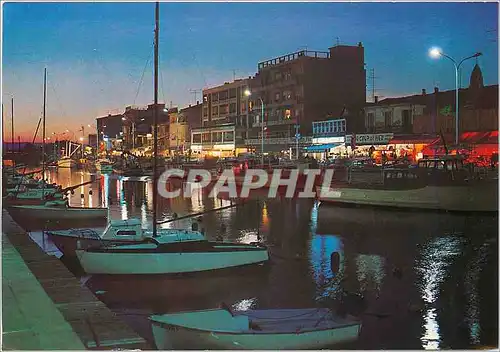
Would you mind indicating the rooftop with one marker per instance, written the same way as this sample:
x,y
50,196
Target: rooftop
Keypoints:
x,y
294,56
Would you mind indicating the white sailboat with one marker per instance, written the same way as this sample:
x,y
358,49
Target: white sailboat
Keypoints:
x,y
266,329
66,161
168,254
49,204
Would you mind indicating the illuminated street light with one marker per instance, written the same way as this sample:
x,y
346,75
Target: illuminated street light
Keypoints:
x,y
81,139
437,53
248,93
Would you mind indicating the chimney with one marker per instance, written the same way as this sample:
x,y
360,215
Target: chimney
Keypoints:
x,y
197,102
376,99
423,92
436,90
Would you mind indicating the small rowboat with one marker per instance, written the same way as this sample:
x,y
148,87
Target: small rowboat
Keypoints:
x,y
269,329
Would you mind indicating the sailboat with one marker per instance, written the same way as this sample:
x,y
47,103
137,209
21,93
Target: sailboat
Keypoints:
x,y
66,161
49,204
174,254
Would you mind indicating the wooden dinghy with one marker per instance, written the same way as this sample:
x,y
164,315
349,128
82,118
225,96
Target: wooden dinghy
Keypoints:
x,y
270,329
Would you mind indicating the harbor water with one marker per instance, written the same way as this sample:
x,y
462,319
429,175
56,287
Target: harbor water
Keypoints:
x,y
417,280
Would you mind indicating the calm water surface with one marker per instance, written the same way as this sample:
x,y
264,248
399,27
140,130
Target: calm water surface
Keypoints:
x,y
417,280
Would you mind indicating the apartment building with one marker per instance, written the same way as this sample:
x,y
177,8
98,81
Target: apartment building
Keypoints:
x,y
306,86
225,120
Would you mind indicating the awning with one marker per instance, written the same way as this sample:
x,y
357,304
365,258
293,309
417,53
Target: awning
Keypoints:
x,y
321,147
412,139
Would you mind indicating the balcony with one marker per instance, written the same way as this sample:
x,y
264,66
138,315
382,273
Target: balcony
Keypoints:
x,y
275,123
289,140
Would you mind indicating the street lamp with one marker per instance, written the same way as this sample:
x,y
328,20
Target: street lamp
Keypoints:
x,y
247,94
436,53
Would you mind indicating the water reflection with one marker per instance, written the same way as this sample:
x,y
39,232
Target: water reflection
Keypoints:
x,y
351,251
436,257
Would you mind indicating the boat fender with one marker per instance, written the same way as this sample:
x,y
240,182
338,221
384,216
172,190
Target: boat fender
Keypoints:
x,y
335,262
90,192
194,226
82,195
72,192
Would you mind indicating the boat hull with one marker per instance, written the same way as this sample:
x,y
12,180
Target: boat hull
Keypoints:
x,y
66,163
178,337
140,263
48,213
467,198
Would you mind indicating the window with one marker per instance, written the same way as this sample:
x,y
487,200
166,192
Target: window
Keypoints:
x,y
205,98
288,114
277,76
232,108
228,136
223,95
215,110
215,96
205,112
244,106
206,137
224,109
217,137
125,233
288,76
287,95
232,93
371,119
388,118
196,137
277,97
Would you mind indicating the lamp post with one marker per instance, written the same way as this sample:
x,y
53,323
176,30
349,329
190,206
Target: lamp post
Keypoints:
x,y
248,93
436,53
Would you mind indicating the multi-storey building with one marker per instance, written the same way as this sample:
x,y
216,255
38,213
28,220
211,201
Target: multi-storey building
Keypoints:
x,y
138,124
306,86
109,130
225,120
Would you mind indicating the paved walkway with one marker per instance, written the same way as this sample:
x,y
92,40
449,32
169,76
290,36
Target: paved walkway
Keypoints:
x,y
30,320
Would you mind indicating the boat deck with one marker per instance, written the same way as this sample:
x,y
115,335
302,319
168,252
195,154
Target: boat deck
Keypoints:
x,y
64,298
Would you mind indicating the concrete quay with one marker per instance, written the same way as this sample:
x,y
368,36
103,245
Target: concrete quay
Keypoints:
x,y
44,307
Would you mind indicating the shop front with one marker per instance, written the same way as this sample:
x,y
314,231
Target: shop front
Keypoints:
x,y
409,146
325,147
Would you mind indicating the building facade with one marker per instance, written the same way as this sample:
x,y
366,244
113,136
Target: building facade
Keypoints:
x,y
225,120
138,125
305,86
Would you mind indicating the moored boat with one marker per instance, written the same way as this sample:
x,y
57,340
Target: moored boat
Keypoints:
x,y
116,232
58,211
270,329
104,165
66,162
440,184
178,253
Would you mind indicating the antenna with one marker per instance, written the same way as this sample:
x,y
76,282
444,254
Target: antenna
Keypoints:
x,y
338,41
234,75
195,93
372,79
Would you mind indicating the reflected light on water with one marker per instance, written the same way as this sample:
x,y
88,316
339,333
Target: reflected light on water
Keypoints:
x,y
436,258
321,249
245,304
370,271
105,188
144,217
265,218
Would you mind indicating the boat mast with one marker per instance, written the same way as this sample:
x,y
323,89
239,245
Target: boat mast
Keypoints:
x,y
155,116
12,140
43,129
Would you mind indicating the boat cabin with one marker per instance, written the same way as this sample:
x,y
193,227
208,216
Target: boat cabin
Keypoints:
x,y
131,230
124,230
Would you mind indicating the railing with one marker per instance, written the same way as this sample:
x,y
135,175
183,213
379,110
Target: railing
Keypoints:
x,y
289,140
275,123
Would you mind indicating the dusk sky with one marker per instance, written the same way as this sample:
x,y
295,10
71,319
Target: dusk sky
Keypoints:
x,y
95,53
